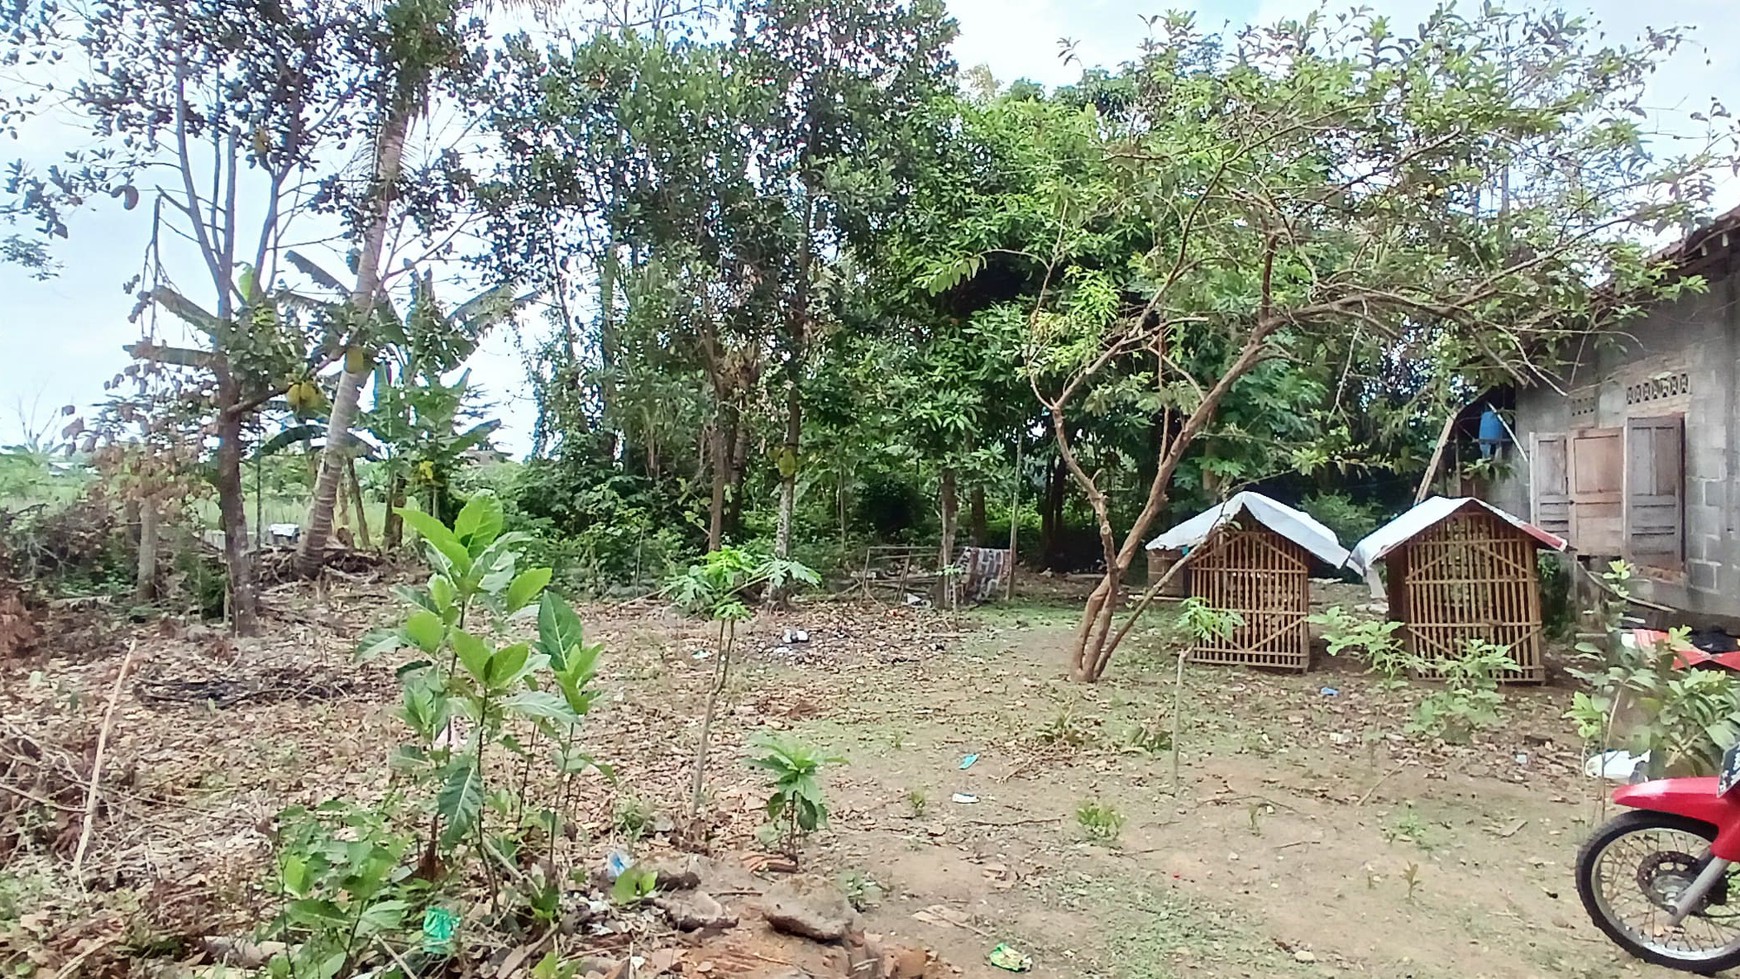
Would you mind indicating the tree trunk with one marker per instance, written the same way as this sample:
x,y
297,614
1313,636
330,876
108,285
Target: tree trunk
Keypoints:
x,y
145,572
1092,651
788,466
392,525
721,465
356,497
1051,514
950,506
233,511
739,469
1014,524
840,501
1088,661
389,155
797,330
976,516
342,519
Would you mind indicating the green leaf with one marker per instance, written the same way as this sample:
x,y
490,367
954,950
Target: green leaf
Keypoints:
x,y
508,666
441,593
378,643
415,597
295,876
186,310
479,523
425,630
573,761
311,913
313,270
541,705
438,536
559,629
526,586
474,654
636,884
460,803
382,916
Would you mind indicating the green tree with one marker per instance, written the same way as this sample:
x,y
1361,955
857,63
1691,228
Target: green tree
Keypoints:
x,y
422,46
838,83
1471,184
208,118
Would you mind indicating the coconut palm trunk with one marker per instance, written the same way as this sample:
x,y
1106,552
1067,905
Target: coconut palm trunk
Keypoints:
x,y
389,156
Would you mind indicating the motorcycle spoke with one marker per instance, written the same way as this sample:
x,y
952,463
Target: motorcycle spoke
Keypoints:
x,y
1638,877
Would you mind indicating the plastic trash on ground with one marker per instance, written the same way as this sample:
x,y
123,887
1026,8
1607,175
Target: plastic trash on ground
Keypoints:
x,y
967,762
965,798
1616,765
439,925
1009,960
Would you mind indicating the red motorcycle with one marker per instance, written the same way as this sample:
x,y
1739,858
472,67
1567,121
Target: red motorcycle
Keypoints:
x,y
1660,880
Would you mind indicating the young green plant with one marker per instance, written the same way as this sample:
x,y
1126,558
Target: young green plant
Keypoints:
x,y
481,679
1685,719
717,587
795,807
1202,622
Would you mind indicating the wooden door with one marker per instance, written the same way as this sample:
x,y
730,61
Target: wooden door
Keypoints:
x,y
1655,481
1549,484
1596,477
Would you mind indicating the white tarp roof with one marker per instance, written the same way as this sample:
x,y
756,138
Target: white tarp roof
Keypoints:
x,y
1295,525
1405,527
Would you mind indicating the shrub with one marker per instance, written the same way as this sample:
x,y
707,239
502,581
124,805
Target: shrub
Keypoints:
x,y
598,526
795,808
1557,615
1350,520
1371,640
1469,699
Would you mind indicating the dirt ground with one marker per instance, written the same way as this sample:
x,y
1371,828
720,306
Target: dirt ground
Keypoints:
x,y
1303,836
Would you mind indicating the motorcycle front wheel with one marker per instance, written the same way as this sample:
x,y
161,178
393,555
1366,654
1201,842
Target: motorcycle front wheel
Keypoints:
x,y
1630,873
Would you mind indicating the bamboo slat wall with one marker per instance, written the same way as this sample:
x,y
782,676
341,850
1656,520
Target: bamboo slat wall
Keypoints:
x,y
1263,577
1472,576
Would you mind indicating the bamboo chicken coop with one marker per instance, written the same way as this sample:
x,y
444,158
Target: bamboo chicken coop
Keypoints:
x,y
1252,557
1458,570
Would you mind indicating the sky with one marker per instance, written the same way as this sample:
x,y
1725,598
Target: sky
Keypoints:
x,y
62,338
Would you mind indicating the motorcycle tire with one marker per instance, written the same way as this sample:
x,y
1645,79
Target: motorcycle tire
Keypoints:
x,y
1624,825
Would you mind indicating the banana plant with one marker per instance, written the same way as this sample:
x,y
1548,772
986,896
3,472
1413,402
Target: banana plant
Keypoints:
x,y
414,422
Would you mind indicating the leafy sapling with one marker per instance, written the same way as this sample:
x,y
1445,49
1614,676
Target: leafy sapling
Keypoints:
x,y
1099,821
471,671
1202,622
795,807
718,588
1374,641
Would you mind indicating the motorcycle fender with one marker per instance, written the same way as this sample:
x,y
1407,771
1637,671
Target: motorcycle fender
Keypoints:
x,y
1694,798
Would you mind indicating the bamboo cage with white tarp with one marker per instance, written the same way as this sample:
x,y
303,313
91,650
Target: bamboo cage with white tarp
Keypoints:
x,y
1252,556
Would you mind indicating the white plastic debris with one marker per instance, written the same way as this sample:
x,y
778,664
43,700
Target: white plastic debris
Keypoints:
x,y
965,799
1616,765
794,636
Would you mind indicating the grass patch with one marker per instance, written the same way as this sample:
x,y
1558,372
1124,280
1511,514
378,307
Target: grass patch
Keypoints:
x,y
1157,933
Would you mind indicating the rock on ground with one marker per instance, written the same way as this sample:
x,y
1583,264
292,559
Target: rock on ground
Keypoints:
x,y
694,910
818,913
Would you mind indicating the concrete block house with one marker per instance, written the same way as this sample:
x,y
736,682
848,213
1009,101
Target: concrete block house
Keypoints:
x,y
1640,456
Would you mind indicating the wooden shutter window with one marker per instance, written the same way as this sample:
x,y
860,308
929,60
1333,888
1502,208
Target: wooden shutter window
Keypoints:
x,y
1655,481
1550,485
1596,477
